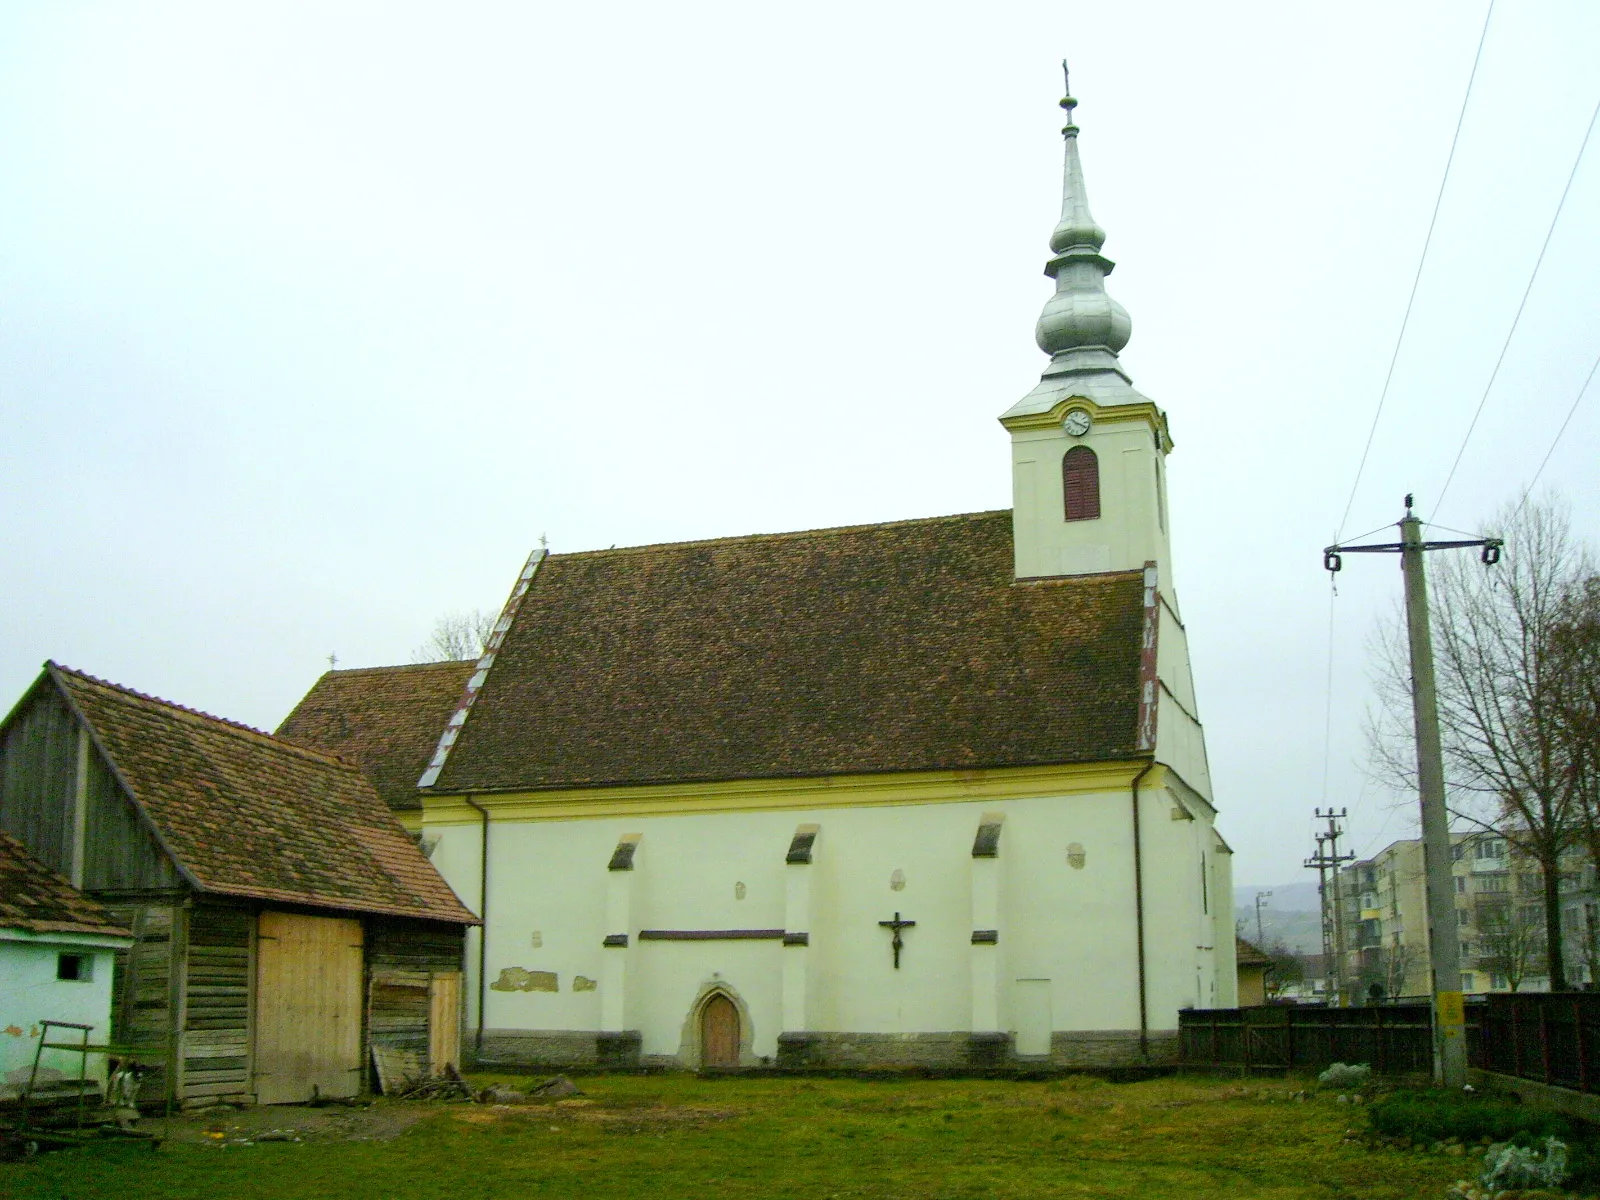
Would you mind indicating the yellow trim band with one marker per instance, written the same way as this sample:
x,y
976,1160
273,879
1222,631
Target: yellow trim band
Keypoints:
x,y
1102,414
826,791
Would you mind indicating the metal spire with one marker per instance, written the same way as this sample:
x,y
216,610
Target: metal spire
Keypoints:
x,y
1077,227
1081,327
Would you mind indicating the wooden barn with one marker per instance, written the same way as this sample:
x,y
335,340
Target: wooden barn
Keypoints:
x,y
283,922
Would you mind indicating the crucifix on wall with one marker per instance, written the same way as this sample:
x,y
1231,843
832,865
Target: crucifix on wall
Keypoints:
x,y
897,925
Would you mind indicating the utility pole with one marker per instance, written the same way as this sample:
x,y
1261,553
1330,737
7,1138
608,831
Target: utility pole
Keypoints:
x,y
1444,942
1328,860
1261,898
1326,919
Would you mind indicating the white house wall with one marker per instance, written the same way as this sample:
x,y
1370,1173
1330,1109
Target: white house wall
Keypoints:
x,y
31,993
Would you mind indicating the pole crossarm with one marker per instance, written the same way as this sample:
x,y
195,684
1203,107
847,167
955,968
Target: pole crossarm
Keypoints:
x,y
1332,555
1396,547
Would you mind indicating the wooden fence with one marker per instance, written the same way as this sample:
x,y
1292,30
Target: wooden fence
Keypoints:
x,y
1550,1037
1392,1038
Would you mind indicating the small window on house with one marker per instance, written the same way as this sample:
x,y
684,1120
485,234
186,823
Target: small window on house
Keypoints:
x,y
74,966
1080,484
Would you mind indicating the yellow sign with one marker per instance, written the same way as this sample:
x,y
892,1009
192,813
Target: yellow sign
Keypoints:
x,y
1452,1013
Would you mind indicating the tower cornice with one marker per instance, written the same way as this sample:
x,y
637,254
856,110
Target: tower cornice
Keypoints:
x,y
1102,414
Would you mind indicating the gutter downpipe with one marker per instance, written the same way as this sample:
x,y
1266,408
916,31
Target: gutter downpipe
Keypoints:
x,y
1138,911
483,915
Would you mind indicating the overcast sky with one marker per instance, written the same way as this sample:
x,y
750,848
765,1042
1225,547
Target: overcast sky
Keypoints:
x,y
314,318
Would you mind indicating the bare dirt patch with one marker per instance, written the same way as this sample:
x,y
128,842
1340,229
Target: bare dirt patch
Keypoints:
x,y
380,1121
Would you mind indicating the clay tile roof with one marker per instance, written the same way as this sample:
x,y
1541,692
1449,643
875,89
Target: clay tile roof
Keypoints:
x,y
897,647
36,899
386,720
246,814
1247,954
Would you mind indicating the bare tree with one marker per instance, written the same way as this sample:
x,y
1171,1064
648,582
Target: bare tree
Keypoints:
x,y
1285,967
1508,759
456,636
1576,656
1510,936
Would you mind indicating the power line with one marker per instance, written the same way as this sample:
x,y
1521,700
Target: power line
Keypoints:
x,y
1412,299
1549,233
1327,706
1576,400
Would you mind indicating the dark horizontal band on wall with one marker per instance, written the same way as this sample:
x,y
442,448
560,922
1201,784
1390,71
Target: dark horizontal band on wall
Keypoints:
x,y
797,939
985,937
615,939
710,935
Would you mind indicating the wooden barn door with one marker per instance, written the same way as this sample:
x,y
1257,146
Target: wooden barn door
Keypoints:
x,y
719,1033
308,1007
444,1021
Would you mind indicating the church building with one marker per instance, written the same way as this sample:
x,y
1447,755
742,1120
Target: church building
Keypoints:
x,y
928,793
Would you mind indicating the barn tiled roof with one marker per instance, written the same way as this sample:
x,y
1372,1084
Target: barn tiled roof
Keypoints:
x,y
246,814
35,899
897,647
1247,954
386,720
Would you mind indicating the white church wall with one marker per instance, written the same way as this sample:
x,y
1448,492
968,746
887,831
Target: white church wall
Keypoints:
x,y
1062,906
1180,744
1222,936
1172,651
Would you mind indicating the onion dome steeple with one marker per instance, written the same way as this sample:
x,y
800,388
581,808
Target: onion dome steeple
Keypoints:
x,y
1081,327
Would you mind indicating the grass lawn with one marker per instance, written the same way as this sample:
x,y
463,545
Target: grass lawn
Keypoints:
x,y
665,1137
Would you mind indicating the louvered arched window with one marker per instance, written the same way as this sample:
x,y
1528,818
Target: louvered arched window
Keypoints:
x,y
1080,484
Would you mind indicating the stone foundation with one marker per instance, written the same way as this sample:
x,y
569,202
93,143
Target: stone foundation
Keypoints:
x,y
1094,1049
553,1048
874,1051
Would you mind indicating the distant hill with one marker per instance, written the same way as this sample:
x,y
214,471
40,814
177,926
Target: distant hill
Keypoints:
x,y
1300,896
1291,916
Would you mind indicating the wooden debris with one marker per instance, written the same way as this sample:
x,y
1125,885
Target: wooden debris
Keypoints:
x,y
448,1086
555,1089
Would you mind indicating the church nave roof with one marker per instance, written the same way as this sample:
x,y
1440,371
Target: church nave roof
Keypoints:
x,y
897,647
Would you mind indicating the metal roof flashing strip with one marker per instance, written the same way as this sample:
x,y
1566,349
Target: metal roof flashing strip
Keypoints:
x,y
1149,676
469,694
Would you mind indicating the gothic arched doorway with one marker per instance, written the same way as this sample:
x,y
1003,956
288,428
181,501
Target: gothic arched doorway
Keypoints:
x,y
719,1032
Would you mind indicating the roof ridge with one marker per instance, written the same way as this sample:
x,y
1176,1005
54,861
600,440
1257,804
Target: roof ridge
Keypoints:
x,y
740,539
199,716
439,662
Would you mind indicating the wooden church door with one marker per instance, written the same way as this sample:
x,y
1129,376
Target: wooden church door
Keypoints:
x,y
719,1033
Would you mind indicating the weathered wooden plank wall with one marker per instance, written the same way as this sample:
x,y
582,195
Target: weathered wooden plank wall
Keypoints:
x,y
405,962
38,760
145,989
217,987
120,855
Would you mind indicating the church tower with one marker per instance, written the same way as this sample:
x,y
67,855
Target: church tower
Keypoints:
x,y
1088,451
